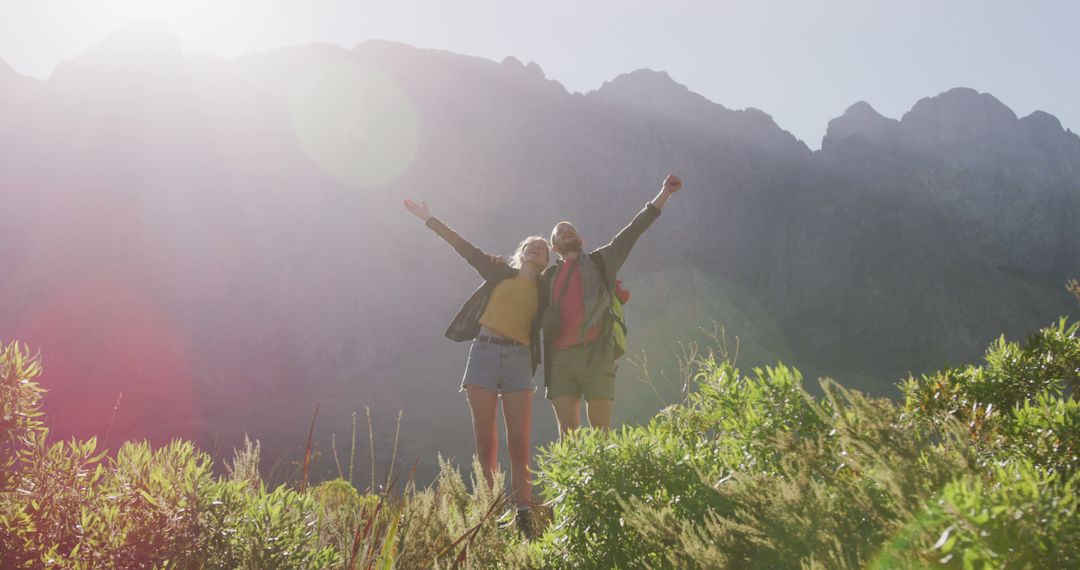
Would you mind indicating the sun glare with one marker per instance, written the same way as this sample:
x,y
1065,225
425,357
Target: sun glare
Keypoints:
x,y
222,26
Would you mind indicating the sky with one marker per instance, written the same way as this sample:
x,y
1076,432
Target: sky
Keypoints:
x,y
802,61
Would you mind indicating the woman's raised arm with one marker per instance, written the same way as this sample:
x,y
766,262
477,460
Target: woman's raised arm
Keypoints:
x,y
419,210
483,263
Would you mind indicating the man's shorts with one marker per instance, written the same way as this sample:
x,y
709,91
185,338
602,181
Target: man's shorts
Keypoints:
x,y
499,368
573,374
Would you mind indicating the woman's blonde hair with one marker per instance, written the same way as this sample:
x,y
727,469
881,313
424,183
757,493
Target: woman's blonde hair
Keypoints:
x,y
519,253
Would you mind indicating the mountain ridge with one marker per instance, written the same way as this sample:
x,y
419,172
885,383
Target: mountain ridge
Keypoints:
x,y
164,42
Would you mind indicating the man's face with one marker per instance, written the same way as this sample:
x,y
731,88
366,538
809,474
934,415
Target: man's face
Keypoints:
x,y
566,238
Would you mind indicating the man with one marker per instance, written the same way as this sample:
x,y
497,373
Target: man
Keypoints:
x,y
580,358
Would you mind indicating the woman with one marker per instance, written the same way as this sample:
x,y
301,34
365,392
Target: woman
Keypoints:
x,y
502,321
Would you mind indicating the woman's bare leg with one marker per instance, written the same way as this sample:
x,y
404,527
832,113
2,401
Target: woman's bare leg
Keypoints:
x,y
517,414
484,405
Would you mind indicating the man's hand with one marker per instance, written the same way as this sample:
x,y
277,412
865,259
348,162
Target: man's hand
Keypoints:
x,y
672,184
419,210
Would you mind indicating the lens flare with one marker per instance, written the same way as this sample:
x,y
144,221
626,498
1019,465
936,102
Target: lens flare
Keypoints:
x,y
355,123
114,361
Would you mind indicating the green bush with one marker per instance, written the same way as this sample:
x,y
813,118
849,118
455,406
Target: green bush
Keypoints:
x,y
1022,516
753,472
830,502
150,509
263,529
1046,432
41,518
731,419
729,424
588,476
451,527
1012,374
20,409
67,505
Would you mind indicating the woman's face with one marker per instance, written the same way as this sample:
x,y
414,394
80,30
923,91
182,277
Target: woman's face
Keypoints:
x,y
535,251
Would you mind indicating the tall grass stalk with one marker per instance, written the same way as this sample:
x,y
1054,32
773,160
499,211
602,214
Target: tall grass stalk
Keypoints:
x,y
371,446
352,448
307,450
333,449
112,418
393,457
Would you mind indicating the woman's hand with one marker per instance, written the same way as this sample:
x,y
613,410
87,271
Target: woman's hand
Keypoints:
x,y
419,210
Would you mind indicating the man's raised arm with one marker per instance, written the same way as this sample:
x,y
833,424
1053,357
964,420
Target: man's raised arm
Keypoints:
x,y
616,252
672,184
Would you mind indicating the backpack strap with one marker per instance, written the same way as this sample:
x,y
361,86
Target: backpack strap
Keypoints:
x,y
599,261
608,321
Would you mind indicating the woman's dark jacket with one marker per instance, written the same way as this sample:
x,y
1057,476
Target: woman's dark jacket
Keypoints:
x,y
466,325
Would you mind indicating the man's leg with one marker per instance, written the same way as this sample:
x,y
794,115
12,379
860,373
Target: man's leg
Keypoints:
x,y
517,414
564,391
599,412
484,404
598,384
567,412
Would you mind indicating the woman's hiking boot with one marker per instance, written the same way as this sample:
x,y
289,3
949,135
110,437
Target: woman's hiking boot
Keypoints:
x,y
524,521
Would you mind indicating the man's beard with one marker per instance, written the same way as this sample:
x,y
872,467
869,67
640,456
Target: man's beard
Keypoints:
x,y
570,247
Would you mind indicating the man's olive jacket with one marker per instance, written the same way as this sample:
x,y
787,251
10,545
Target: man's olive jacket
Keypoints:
x,y
596,297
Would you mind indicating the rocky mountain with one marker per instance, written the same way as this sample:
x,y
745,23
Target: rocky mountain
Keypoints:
x,y
204,247
981,218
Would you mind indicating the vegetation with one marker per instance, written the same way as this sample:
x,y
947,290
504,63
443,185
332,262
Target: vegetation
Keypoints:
x,y
67,505
976,466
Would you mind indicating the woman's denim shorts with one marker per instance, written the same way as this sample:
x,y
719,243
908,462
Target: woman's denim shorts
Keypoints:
x,y
498,368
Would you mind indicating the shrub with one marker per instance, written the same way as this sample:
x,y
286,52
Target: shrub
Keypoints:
x,y
20,408
64,505
730,423
753,472
830,502
1045,432
149,509
41,519
1012,374
67,505
451,527
588,476
264,529
1022,516
732,418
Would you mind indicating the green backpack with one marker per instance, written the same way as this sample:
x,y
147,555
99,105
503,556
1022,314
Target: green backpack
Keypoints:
x,y
613,323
